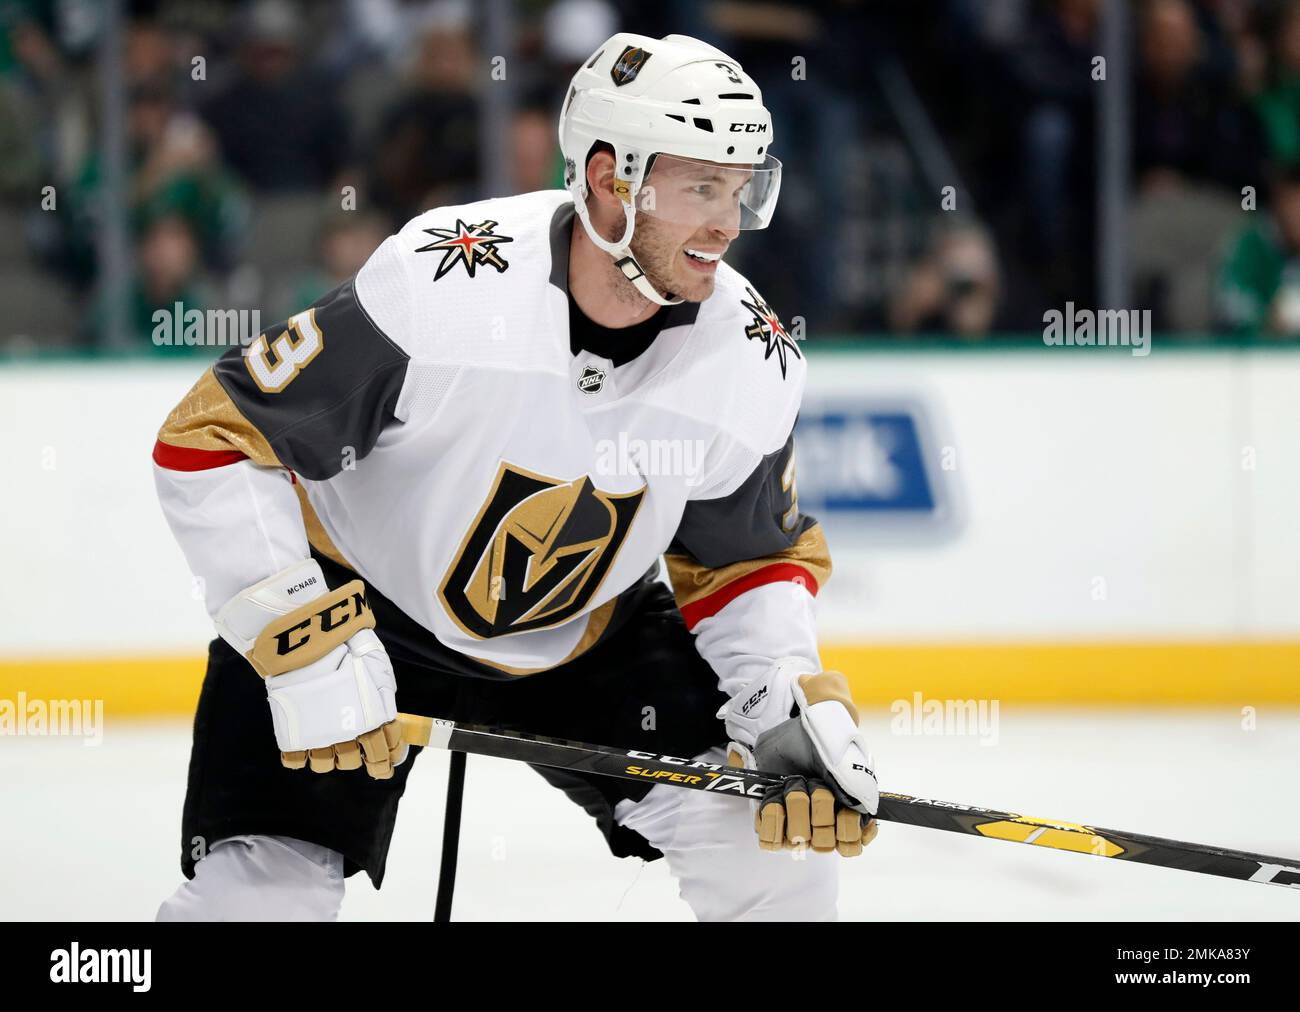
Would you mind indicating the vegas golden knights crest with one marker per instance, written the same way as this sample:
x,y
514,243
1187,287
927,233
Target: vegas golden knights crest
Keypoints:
x,y
536,553
628,65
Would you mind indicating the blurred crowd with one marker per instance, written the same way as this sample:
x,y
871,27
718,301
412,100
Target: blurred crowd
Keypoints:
x,y
941,155
1213,212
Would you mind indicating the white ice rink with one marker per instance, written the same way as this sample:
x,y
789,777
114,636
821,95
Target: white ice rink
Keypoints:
x,y
92,832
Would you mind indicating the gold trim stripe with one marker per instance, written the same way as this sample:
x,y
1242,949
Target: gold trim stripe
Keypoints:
x,y
693,582
597,620
207,419
317,537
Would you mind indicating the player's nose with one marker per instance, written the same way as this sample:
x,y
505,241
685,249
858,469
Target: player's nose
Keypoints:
x,y
724,223
727,229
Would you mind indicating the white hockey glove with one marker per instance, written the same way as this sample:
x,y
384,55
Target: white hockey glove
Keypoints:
x,y
328,678
805,726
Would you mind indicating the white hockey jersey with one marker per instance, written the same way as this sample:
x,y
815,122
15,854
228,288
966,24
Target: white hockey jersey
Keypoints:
x,y
426,425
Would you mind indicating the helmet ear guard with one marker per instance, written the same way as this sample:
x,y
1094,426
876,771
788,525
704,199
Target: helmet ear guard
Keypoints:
x,y
625,186
621,250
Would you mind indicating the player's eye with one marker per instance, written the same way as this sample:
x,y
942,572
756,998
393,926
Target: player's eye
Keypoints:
x,y
703,190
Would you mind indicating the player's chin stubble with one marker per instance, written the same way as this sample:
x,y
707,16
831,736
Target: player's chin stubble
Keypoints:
x,y
657,252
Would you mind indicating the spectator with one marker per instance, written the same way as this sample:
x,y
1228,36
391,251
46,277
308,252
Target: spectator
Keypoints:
x,y
1259,283
1047,70
33,80
279,123
536,162
148,54
955,289
817,125
427,146
570,32
167,272
1279,104
1189,124
174,169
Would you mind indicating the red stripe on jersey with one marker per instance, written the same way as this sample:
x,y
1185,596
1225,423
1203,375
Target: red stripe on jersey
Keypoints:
x,y
181,458
707,607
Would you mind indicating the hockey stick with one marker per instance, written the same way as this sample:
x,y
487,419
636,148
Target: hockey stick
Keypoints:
x,y
631,764
450,839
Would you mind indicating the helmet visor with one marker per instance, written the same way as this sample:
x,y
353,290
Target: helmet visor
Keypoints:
x,y
687,191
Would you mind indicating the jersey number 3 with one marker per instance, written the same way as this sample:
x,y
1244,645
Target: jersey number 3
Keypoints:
x,y
791,516
273,365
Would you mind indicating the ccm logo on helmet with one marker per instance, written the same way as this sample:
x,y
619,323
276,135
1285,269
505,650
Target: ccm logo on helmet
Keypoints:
x,y
749,128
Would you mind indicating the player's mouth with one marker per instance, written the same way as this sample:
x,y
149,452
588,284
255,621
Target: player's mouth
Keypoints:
x,y
703,260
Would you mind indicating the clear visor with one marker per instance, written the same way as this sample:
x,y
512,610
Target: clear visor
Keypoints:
x,y
685,191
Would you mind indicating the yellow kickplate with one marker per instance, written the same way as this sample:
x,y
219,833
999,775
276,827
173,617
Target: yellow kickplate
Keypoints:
x,y
1221,673
1149,674
1041,833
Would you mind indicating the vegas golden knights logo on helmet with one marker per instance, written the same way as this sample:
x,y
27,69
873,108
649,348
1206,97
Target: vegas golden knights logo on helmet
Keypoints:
x,y
628,65
536,553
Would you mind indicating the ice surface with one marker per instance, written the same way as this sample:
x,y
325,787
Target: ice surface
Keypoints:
x,y
92,833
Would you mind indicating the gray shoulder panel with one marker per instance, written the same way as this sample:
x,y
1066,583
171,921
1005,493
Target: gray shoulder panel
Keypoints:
x,y
342,397
750,523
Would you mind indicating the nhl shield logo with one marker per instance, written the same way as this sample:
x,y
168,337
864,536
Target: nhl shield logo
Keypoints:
x,y
591,380
628,65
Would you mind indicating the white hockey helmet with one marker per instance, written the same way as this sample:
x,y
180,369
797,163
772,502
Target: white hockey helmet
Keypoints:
x,y
677,102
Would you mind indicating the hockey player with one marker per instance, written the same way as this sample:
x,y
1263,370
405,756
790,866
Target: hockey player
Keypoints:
x,y
448,486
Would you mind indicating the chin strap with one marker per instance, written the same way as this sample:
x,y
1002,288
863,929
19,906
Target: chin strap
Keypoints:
x,y
621,251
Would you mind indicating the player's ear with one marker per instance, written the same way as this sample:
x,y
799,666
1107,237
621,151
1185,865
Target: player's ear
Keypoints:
x,y
600,180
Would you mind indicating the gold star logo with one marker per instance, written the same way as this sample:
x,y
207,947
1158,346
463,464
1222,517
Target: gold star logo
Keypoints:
x,y
470,245
767,327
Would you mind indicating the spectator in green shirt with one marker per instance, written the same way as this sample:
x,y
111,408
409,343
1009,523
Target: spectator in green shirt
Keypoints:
x,y
1258,288
1279,105
167,273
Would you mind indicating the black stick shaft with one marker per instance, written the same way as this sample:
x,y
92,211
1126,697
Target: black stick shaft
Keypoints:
x,y
947,816
450,839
